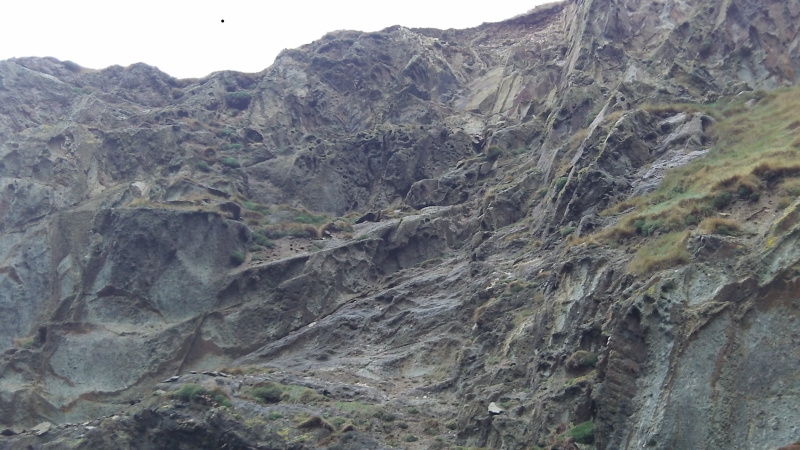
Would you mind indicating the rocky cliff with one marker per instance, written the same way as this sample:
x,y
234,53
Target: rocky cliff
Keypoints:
x,y
577,228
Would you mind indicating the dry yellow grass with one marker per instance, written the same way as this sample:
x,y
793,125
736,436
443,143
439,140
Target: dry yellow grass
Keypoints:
x,y
755,149
790,187
748,180
613,117
720,225
576,139
479,311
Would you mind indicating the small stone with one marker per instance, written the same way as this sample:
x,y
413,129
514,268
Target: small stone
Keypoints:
x,y
8,432
494,409
172,379
42,428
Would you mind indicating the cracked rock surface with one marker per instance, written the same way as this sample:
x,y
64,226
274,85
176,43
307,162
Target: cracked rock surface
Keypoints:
x,y
384,240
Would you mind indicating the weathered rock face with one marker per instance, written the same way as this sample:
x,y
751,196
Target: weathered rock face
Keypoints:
x,y
152,227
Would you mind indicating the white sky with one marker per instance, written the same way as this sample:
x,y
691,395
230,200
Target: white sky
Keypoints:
x,y
187,38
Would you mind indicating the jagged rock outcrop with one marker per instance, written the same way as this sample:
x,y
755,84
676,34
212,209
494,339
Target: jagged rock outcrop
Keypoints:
x,y
409,237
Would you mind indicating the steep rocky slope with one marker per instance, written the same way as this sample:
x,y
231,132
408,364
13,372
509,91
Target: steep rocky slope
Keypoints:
x,y
574,228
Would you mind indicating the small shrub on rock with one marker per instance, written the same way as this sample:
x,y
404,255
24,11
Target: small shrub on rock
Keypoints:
x,y
230,162
691,220
647,227
237,258
189,392
720,225
262,241
233,146
493,154
722,200
744,192
582,433
316,422
203,166
560,183
267,394
25,343
221,397
581,360
337,422
385,416
239,100
257,207
194,393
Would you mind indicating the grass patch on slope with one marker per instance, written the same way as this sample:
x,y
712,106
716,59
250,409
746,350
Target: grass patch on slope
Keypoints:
x,y
274,392
665,252
757,151
194,393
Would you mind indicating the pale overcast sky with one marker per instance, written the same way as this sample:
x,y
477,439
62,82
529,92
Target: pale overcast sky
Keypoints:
x,y
188,39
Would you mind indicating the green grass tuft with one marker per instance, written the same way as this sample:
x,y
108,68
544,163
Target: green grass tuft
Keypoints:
x,y
232,146
194,393
239,99
582,359
267,394
583,433
273,392
560,183
262,241
566,231
230,162
493,154
312,219
189,392
237,258
257,207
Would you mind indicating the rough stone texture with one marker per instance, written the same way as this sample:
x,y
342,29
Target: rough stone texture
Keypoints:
x,y
125,237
